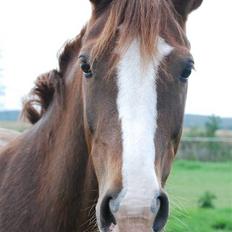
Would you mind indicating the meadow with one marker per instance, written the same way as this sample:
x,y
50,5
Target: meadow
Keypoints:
x,y
190,180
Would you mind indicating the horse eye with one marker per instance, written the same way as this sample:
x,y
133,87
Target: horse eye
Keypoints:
x,y
186,72
85,66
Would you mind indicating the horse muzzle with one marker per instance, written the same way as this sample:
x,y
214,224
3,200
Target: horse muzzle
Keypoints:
x,y
115,217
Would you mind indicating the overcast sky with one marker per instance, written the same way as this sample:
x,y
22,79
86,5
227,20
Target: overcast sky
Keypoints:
x,y
31,33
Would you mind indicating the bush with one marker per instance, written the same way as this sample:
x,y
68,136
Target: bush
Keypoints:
x,y
206,200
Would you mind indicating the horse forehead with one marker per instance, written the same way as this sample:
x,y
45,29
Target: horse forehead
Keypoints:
x,y
136,82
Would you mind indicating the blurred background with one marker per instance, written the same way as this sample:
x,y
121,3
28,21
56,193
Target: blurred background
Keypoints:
x,y
200,185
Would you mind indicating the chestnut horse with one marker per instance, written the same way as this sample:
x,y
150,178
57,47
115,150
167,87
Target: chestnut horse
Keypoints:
x,y
107,126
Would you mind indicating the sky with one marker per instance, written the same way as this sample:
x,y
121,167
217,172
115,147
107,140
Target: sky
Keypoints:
x,y
32,32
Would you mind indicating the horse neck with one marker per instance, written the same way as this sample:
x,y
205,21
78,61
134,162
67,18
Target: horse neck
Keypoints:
x,y
70,179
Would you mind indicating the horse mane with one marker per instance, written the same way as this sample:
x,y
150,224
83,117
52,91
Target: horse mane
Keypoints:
x,y
41,96
142,20
47,84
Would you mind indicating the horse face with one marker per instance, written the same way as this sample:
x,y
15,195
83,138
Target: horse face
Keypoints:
x,y
133,117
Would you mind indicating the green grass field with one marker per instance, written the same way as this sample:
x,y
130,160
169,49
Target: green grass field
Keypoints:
x,y
188,181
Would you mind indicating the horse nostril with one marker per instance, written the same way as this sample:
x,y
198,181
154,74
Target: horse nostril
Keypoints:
x,y
162,214
106,216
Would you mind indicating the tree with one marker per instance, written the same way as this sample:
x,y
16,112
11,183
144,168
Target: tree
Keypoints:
x,y
212,125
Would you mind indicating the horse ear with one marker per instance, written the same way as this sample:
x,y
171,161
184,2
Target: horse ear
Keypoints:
x,y
99,4
99,1
95,1
185,7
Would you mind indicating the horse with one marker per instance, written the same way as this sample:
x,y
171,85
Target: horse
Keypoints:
x,y
106,125
6,136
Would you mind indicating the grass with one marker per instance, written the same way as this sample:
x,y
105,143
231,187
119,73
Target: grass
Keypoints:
x,y
201,220
187,182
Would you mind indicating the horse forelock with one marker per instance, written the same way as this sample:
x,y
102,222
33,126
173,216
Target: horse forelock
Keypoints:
x,y
41,96
137,19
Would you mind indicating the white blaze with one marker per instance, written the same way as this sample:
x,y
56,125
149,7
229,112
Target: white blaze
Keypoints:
x,y
137,107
